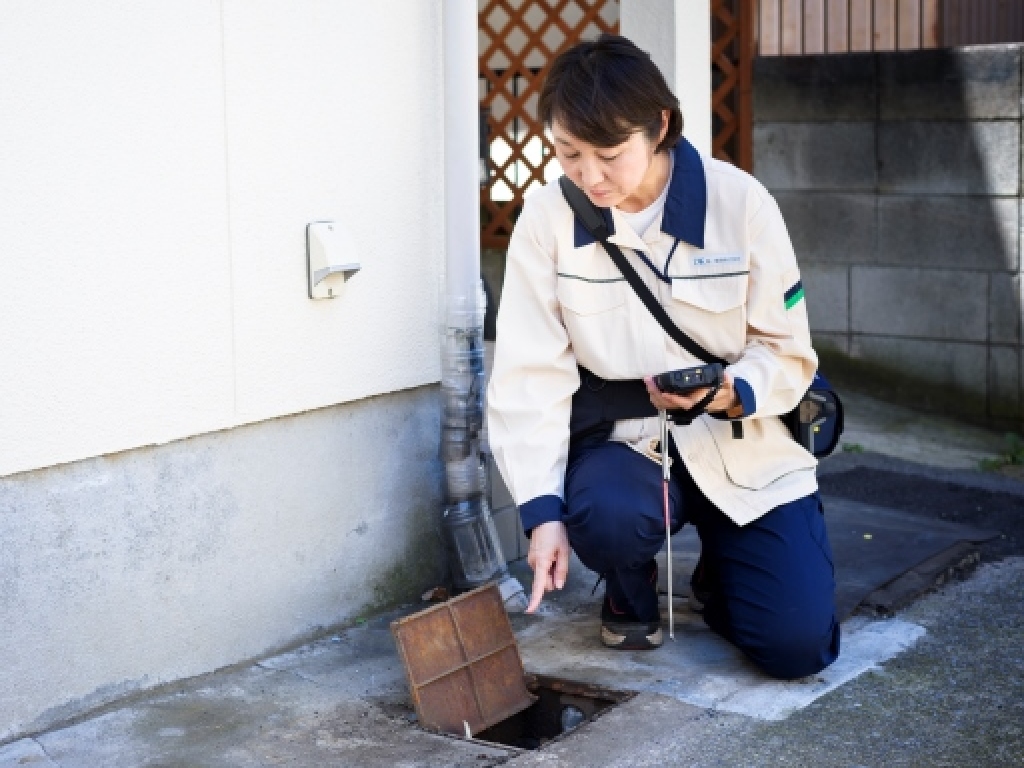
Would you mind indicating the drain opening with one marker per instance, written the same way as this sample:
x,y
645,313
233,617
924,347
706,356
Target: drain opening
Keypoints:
x,y
561,707
466,677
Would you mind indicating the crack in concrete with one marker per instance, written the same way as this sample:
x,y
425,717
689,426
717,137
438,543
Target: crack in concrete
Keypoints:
x,y
43,749
295,672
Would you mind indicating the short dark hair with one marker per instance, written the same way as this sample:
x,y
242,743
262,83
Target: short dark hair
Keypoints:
x,y
604,90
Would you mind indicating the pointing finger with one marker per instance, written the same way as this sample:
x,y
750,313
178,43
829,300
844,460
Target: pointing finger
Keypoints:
x,y
540,576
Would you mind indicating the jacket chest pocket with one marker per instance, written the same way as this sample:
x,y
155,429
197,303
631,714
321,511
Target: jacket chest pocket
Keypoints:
x,y
595,316
590,297
711,293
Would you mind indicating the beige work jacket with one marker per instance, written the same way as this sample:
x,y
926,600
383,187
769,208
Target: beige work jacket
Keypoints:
x,y
732,284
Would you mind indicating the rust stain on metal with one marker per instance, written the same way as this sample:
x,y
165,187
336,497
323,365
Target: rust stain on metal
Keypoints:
x,y
462,663
575,688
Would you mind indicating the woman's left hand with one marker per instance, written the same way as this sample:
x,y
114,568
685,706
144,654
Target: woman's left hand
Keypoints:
x,y
726,399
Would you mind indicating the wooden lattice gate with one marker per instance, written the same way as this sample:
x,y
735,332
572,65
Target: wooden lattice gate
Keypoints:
x,y
518,41
732,53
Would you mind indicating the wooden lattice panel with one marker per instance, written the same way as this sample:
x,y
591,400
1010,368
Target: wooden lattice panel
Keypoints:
x,y
732,52
518,41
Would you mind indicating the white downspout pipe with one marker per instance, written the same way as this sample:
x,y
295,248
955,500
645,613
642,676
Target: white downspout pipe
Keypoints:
x,y
461,150
474,551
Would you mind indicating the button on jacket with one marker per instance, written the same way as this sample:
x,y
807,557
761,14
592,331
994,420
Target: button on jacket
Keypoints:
x,y
720,261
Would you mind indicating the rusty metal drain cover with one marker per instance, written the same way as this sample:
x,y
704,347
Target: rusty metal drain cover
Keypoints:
x,y
462,663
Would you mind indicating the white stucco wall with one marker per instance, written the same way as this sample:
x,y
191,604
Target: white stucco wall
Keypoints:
x,y
677,34
160,162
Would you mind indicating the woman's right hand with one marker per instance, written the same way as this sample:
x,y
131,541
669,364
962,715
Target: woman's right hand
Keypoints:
x,y
549,559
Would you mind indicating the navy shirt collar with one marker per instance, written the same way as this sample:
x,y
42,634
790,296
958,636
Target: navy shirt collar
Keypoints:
x,y
685,207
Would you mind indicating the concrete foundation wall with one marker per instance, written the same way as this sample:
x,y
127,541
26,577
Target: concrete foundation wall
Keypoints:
x,y
899,175
130,570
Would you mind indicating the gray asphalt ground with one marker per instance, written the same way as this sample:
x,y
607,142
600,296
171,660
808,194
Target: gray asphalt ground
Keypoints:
x,y
954,698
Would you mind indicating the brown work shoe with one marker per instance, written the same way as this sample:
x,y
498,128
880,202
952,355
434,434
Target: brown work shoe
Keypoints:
x,y
624,632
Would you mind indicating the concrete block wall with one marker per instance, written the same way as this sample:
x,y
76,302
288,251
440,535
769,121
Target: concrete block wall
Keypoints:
x,y
899,175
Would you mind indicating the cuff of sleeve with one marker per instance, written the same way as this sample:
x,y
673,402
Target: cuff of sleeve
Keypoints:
x,y
543,509
746,394
747,399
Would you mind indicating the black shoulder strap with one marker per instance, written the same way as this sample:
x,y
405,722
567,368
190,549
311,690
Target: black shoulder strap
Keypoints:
x,y
594,223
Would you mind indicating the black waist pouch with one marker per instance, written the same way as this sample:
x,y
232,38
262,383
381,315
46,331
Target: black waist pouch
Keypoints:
x,y
599,403
816,423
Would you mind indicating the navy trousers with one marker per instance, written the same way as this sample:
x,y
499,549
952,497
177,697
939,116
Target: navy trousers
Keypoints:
x,y
771,582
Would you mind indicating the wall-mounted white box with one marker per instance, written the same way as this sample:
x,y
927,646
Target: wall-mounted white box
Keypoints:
x,y
329,249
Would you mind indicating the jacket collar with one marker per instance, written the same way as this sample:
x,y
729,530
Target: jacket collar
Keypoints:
x,y
685,207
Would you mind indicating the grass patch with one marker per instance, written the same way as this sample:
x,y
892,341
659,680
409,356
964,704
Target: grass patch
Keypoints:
x,y
1012,454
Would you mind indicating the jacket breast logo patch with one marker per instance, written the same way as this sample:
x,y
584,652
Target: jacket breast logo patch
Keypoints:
x,y
715,259
794,294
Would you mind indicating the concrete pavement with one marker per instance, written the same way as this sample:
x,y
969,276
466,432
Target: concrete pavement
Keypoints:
x,y
946,690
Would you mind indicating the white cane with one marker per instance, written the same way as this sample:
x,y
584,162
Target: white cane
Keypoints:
x,y
665,476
